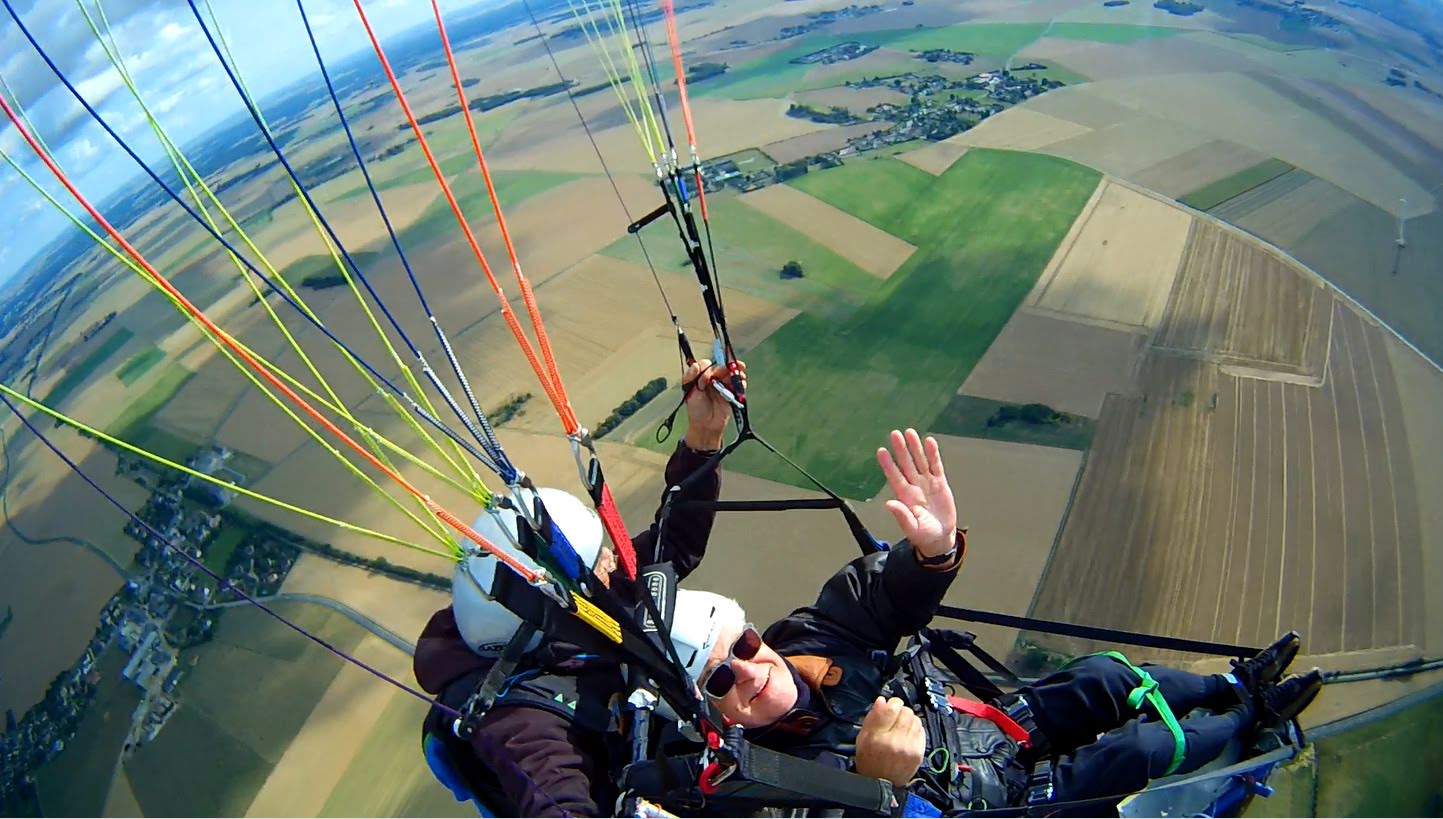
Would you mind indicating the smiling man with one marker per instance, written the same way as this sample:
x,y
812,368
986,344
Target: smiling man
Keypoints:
x,y
810,685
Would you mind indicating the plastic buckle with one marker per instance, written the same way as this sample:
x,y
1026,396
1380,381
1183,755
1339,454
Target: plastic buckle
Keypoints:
x,y
1039,785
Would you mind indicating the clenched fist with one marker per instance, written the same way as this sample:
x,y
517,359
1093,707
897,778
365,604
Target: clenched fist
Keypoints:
x,y
892,742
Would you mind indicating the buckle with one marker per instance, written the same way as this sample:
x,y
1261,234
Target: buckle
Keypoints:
x,y
1019,711
1039,785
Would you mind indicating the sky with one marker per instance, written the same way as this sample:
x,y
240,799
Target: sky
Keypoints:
x,y
177,74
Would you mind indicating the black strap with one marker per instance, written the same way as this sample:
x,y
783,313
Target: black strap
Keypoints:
x,y
1108,635
973,680
945,641
761,778
484,696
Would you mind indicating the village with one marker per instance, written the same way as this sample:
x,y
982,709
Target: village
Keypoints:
x,y
937,108
166,606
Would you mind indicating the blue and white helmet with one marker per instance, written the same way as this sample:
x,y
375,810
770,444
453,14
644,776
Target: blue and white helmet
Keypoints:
x,y
485,624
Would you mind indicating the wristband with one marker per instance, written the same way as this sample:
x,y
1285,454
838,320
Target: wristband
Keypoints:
x,y
959,544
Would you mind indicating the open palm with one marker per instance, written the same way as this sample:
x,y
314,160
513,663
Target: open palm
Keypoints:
x,y
924,507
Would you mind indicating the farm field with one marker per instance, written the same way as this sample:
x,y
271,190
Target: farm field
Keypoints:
x,y
1015,207
1068,365
254,687
1238,303
1198,168
77,782
753,242
1216,193
77,373
934,157
380,781
867,247
1241,507
1420,390
56,587
967,416
1118,261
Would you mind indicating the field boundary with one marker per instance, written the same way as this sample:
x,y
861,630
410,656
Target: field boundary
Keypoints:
x,y
1061,527
1287,257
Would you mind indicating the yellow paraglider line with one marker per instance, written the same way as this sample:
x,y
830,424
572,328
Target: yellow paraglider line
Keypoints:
x,y
281,373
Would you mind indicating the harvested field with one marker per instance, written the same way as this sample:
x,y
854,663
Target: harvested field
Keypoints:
x,y
401,607
1286,209
314,762
1068,365
56,587
1246,110
1076,104
1197,168
1020,129
1118,262
832,139
934,158
379,782
867,247
1237,303
1126,148
1236,508
1420,389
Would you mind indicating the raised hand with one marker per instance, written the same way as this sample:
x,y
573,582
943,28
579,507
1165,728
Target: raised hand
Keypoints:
x,y
924,507
707,412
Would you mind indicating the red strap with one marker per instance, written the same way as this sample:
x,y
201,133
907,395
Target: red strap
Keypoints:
x,y
611,519
995,716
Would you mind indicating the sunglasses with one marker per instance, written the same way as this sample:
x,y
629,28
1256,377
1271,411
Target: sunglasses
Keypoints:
x,y
722,679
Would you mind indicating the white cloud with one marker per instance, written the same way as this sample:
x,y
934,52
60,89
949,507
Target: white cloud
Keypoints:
x,y
80,151
173,31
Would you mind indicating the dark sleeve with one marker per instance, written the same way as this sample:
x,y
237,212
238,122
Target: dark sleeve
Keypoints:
x,y
871,604
684,538
540,766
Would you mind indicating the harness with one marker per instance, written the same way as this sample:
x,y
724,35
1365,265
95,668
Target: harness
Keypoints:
x,y
1146,691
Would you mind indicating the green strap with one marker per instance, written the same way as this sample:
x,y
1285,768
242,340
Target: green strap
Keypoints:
x,y
1147,691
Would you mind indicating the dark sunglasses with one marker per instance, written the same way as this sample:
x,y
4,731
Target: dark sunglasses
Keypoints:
x,y
723,679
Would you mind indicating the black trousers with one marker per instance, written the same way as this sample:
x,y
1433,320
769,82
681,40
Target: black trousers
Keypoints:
x,y
1102,747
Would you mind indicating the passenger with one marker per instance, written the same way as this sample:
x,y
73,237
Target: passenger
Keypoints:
x,y
811,683
541,750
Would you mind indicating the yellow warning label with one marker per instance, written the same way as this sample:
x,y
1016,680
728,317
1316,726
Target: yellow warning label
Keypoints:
x,y
598,619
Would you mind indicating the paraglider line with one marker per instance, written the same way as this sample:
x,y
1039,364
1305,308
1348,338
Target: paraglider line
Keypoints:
x,y
120,141
500,554
489,441
606,168
223,583
500,466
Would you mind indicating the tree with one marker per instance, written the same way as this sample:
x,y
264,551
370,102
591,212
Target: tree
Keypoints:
x,y
792,270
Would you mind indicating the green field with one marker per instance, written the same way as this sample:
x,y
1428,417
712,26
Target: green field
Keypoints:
x,y
388,776
751,249
1215,194
139,364
967,416
1388,767
219,550
776,75
135,423
77,373
245,700
826,392
77,781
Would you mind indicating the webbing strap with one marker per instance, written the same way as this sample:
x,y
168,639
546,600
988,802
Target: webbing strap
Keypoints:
x,y
1107,635
485,694
1146,691
994,715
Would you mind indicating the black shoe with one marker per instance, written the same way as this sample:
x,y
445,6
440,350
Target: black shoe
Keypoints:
x,y
1280,703
1267,666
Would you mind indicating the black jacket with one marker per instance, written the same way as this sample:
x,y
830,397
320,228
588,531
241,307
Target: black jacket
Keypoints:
x,y
545,764
859,618
842,647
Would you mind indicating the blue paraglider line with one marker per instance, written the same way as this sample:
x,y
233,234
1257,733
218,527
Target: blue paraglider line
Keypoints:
x,y
502,465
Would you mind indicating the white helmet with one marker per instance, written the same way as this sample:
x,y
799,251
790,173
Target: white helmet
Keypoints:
x,y
485,624
697,624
